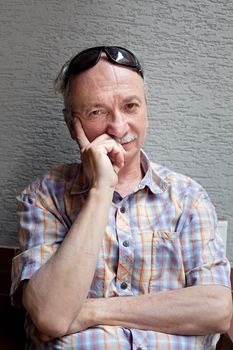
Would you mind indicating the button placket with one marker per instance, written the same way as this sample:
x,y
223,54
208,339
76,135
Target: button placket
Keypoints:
x,y
125,265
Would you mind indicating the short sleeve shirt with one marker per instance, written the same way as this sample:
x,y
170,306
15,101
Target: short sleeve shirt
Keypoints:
x,y
160,237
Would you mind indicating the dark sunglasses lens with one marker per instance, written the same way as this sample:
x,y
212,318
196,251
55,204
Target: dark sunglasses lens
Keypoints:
x,y
122,56
83,61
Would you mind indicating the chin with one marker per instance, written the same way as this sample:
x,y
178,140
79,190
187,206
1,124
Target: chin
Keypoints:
x,y
131,154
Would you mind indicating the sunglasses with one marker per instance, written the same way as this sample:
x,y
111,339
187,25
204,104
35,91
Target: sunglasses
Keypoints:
x,y
89,58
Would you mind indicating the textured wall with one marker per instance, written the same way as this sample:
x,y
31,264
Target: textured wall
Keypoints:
x,y
187,50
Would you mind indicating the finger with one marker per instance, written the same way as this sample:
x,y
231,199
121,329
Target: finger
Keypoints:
x,y
81,138
115,152
101,139
117,161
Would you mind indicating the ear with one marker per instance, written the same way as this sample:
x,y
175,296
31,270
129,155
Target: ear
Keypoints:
x,y
69,122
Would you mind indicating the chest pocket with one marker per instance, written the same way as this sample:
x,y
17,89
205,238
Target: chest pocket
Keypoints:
x,y
158,263
167,264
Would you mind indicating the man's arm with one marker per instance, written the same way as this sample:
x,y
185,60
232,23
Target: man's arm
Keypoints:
x,y
54,295
197,310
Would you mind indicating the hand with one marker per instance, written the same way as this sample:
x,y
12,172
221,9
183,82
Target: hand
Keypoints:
x,y
102,158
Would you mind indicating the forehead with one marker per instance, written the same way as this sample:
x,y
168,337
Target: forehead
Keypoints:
x,y
105,77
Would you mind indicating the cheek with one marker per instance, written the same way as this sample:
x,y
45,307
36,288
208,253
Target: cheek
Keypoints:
x,y
141,126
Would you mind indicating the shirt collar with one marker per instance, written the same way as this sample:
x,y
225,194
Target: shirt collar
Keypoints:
x,y
156,183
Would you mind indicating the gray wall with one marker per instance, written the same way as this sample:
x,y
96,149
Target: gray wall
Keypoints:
x,y
186,47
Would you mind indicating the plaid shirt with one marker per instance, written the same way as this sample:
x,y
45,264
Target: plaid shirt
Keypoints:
x,y
160,237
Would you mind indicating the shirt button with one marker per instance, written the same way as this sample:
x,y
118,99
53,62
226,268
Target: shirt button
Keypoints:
x,y
124,285
122,210
126,243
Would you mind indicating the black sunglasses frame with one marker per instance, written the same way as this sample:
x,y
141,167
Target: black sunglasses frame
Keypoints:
x,y
80,62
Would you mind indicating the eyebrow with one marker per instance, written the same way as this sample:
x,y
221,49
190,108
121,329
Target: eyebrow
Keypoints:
x,y
133,97
86,108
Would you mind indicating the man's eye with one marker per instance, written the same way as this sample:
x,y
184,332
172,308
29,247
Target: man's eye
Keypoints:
x,y
131,106
96,113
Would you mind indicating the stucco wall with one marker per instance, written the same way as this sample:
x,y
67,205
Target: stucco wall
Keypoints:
x,y
187,50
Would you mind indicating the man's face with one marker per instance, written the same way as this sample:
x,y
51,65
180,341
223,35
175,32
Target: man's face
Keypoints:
x,y
109,99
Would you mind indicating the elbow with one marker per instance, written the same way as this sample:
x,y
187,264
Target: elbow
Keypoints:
x,y
54,327
226,322
224,310
224,326
46,321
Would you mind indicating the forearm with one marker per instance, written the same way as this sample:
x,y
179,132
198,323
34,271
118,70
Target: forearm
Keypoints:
x,y
189,311
56,292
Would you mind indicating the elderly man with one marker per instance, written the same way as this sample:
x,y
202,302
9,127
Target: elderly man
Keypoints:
x,y
117,252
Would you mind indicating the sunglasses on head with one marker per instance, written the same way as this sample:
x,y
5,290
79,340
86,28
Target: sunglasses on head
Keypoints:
x,y
89,58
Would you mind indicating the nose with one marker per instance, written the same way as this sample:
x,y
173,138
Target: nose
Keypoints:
x,y
117,124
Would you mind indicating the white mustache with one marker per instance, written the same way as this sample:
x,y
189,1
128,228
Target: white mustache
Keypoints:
x,y
125,139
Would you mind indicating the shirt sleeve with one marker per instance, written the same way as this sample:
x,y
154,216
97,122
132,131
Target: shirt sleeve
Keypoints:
x,y
202,249
41,231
